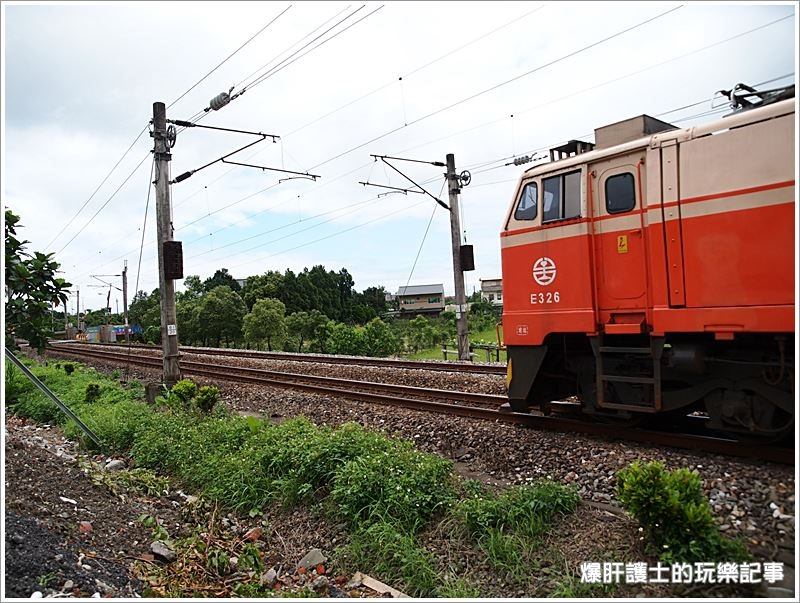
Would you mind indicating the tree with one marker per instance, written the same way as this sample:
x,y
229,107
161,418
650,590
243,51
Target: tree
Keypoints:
x,y
221,278
221,314
322,331
420,333
306,326
380,340
145,310
188,314
31,289
194,286
266,322
346,339
262,286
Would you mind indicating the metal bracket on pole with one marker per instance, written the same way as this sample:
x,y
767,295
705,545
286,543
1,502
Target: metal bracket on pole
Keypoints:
x,y
46,391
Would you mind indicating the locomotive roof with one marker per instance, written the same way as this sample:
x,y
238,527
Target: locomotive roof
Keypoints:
x,y
656,140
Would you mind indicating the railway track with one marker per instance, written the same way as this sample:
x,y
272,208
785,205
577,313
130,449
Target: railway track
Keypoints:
x,y
478,406
446,366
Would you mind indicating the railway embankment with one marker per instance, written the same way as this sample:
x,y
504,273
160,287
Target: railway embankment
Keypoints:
x,y
254,496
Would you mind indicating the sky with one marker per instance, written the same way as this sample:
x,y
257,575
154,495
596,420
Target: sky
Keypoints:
x,y
486,81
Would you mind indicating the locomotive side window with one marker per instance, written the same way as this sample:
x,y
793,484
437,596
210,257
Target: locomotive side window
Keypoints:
x,y
527,206
562,197
552,199
620,193
572,195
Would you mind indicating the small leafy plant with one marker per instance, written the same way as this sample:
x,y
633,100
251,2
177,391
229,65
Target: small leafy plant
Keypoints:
x,y
92,393
207,396
675,515
185,390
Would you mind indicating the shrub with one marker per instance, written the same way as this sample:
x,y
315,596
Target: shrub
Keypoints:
x,y
207,396
185,390
677,518
69,368
92,393
117,426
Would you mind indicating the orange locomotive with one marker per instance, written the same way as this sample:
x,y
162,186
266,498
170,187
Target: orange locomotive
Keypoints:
x,y
654,272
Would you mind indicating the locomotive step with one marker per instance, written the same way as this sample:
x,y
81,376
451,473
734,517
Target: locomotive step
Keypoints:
x,y
619,350
625,379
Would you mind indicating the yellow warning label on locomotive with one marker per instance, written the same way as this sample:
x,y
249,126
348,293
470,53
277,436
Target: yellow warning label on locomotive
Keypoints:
x,y
622,244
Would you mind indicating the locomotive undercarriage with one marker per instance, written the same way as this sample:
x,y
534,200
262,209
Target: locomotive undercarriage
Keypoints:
x,y
745,386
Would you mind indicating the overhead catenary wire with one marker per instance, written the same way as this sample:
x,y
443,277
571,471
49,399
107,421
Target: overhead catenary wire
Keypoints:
x,y
144,129
424,236
674,58
418,69
99,186
499,85
630,74
297,56
226,59
482,163
107,201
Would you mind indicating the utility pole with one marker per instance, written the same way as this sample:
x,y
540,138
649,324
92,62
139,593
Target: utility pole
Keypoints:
x,y
125,301
78,313
66,319
169,324
458,273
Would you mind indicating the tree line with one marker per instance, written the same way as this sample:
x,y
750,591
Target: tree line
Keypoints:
x,y
315,310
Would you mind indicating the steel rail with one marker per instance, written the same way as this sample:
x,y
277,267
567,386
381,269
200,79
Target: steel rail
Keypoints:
x,y
446,366
289,379
716,445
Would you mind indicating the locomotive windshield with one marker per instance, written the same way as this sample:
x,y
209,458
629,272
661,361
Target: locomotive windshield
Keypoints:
x,y
527,205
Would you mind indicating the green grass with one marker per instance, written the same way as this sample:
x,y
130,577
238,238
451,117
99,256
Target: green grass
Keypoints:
x,y
393,554
487,335
508,525
384,489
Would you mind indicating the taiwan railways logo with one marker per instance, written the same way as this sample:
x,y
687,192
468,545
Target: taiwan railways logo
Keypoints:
x,y
544,271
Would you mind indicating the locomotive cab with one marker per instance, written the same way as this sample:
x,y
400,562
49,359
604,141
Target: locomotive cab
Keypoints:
x,y
653,272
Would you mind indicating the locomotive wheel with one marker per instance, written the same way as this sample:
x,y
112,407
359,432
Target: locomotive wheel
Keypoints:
x,y
747,412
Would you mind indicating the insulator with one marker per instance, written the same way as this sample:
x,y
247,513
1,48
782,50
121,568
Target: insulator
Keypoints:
x,y
521,160
220,100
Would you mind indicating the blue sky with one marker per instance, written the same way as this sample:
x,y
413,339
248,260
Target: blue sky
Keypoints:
x,y
79,83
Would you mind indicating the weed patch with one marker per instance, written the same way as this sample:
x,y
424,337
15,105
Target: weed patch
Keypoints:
x,y
394,555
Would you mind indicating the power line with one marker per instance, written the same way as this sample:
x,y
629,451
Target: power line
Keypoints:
x,y
631,74
297,52
335,234
607,82
496,86
104,204
225,60
311,33
410,73
424,236
420,68
144,224
111,171
145,127
525,110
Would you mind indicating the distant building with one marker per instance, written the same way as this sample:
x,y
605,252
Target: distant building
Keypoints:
x,y
421,299
241,281
492,290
